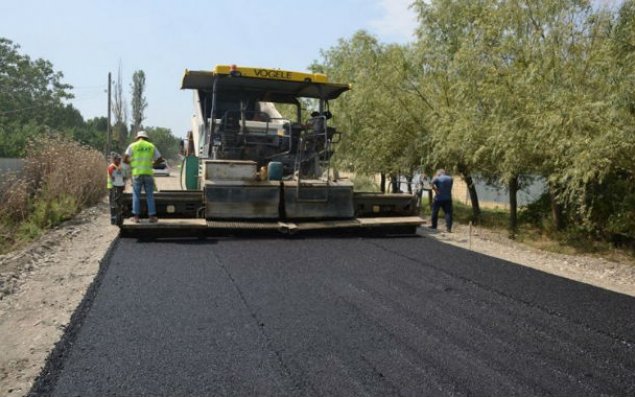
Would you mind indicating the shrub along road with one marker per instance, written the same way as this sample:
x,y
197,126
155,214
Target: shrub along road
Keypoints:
x,y
338,316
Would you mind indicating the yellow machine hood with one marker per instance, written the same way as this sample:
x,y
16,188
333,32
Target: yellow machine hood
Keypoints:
x,y
279,83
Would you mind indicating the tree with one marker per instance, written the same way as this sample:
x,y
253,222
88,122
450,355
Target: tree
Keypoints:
x,y
92,133
508,90
449,87
32,97
120,113
29,89
139,103
379,119
163,139
601,180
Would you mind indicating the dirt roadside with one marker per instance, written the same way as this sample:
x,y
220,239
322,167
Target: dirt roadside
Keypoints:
x,y
41,285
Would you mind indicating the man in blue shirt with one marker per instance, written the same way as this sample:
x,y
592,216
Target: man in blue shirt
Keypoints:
x,y
442,186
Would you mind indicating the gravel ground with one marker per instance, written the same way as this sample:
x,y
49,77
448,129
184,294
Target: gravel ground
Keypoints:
x,y
42,284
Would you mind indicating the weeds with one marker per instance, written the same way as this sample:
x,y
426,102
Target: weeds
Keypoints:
x,y
14,200
535,229
60,177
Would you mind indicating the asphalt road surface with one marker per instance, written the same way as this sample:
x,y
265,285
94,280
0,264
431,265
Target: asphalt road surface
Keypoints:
x,y
338,316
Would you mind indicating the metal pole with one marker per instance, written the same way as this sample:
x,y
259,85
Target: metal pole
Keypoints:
x,y
108,129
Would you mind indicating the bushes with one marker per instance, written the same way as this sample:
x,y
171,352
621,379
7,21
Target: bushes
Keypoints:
x,y
364,183
537,213
57,166
60,177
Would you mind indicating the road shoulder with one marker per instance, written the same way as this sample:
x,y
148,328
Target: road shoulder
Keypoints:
x,y
42,285
617,276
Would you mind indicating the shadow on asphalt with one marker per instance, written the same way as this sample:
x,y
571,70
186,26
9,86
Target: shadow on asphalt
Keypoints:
x,y
195,237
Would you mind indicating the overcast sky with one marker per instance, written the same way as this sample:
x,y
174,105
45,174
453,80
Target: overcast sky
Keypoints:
x,y
86,39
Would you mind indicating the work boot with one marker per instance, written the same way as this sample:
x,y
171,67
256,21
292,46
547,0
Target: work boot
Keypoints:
x,y
135,219
154,219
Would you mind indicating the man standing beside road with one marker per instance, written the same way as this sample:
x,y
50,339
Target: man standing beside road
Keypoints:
x,y
141,154
115,183
442,186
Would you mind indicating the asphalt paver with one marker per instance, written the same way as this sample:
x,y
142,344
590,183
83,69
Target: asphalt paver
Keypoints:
x,y
340,316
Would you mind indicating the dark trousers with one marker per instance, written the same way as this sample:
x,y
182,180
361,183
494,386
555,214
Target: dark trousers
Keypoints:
x,y
446,205
116,214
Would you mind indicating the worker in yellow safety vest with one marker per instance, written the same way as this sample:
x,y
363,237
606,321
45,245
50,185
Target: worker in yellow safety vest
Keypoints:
x,y
141,155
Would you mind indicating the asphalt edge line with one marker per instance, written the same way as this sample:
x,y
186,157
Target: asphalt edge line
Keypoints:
x,y
44,384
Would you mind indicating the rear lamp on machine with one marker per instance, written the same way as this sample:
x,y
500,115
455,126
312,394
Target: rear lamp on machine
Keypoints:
x,y
170,209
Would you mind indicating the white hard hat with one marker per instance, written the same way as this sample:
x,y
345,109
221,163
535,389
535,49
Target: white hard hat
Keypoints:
x,y
142,134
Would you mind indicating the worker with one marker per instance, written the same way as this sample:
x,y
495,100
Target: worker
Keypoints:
x,y
442,186
141,155
115,183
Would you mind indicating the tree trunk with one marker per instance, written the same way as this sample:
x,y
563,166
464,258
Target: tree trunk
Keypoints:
x,y
513,207
556,208
476,207
394,181
382,182
471,188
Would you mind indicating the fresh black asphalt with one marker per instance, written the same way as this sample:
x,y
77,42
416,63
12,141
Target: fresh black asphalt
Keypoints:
x,y
336,316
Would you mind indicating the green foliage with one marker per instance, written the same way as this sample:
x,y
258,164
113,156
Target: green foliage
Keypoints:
x,y
46,213
494,218
364,183
92,133
14,136
63,172
32,104
139,102
167,143
27,231
120,137
380,123
508,90
30,90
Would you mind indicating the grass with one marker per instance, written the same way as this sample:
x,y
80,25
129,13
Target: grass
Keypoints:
x,y
43,213
541,237
569,243
490,218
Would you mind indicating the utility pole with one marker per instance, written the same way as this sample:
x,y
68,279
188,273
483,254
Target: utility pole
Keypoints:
x,y
108,130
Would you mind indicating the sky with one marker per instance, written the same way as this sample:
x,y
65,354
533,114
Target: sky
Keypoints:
x,y
86,39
